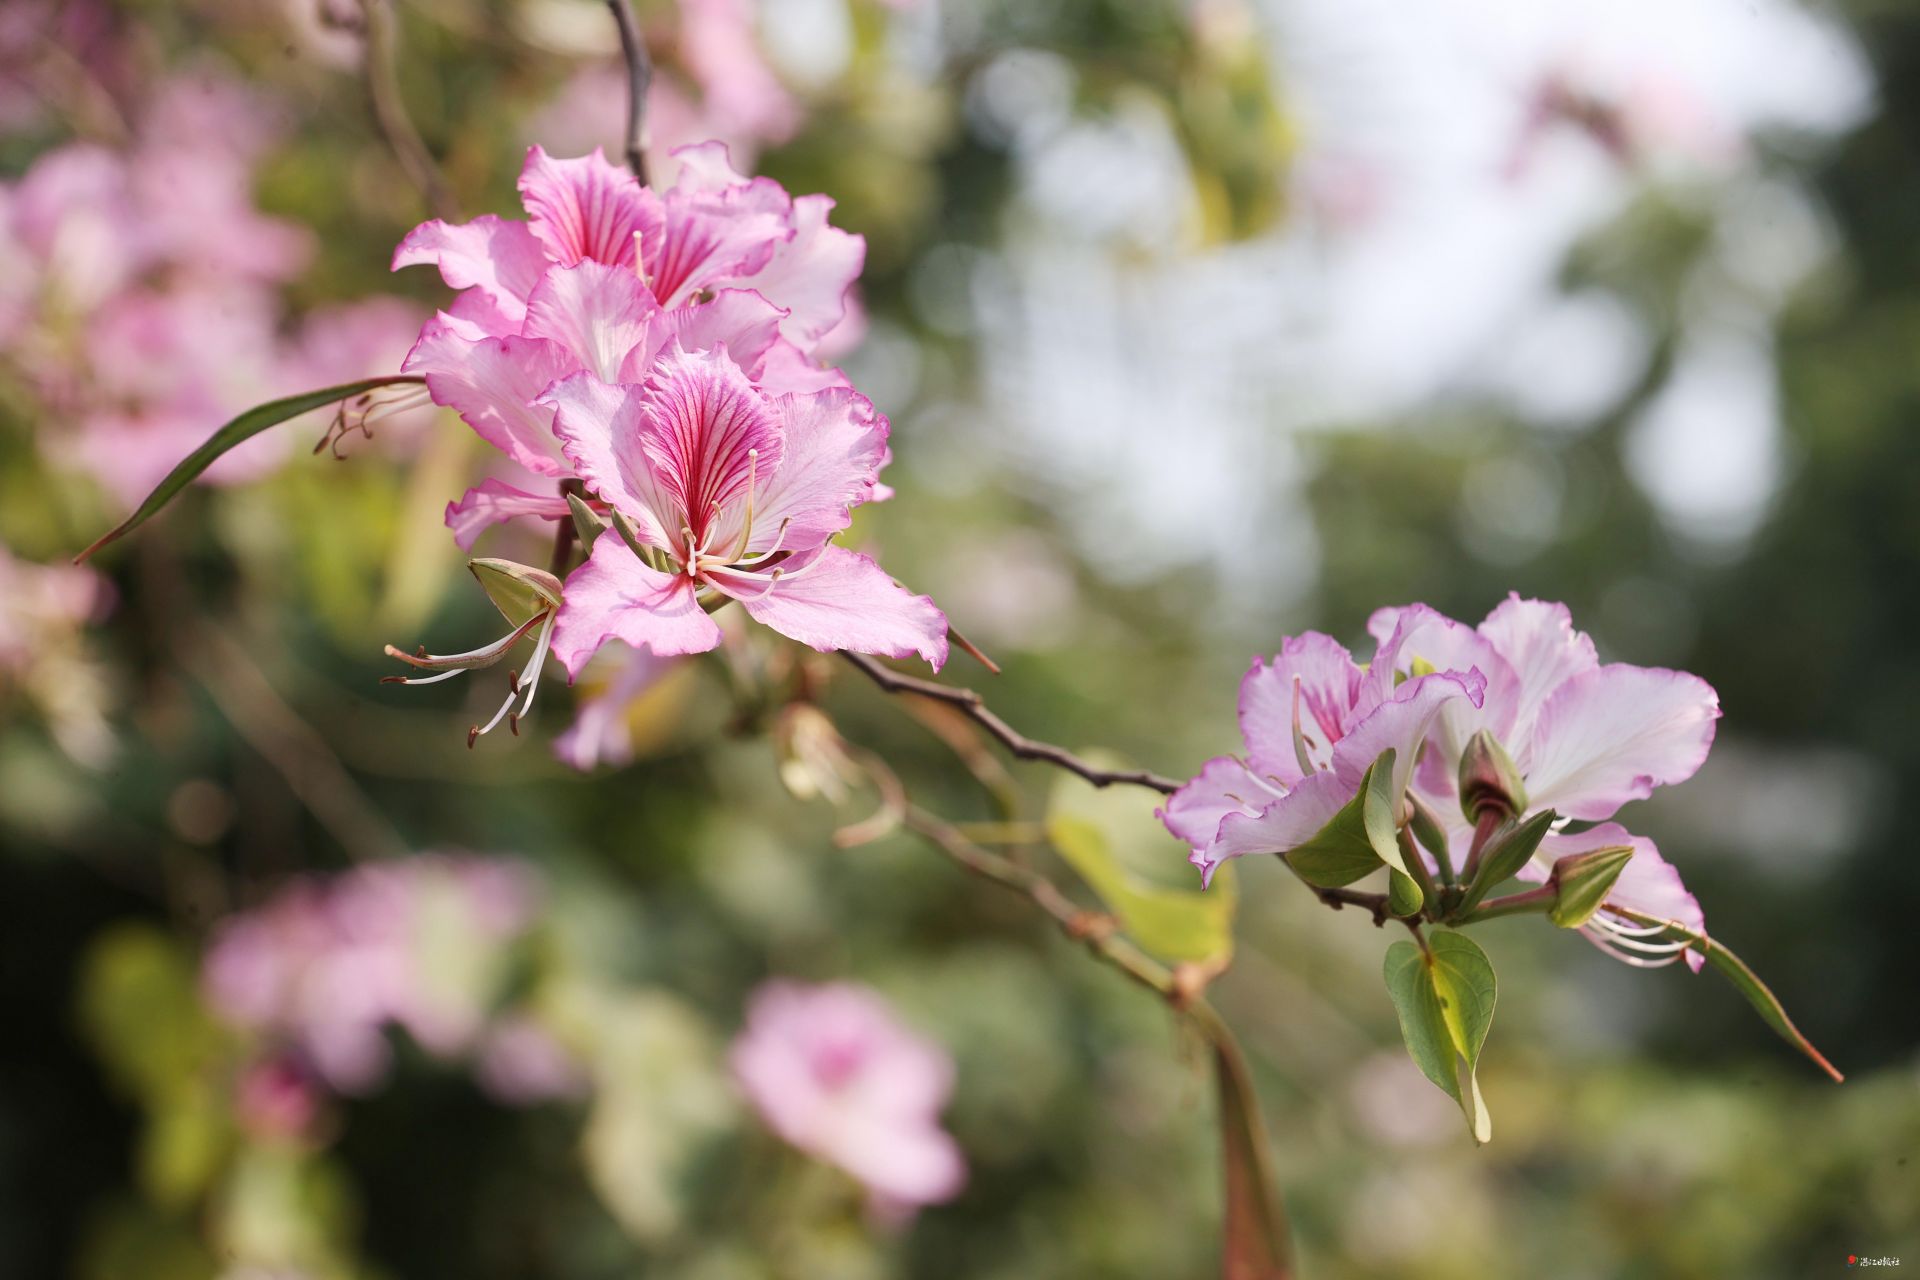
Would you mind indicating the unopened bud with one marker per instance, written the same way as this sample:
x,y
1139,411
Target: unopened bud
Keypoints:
x,y
1488,778
1583,881
813,757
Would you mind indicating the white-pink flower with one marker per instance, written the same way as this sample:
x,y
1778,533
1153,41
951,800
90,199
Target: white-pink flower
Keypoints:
x,y
832,1071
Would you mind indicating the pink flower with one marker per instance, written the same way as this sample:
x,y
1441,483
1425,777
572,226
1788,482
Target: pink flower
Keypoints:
x,y
43,610
738,90
833,1072
326,966
1314,722
1586,738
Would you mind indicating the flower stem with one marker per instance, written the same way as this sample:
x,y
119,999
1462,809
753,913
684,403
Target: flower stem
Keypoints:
x,y
1533,901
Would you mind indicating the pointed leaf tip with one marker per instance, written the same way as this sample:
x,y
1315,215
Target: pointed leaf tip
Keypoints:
x,y
243,428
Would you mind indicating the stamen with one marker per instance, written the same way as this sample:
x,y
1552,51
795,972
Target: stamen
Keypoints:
x,y
779,544
444,675
773,580
483,656
1299,739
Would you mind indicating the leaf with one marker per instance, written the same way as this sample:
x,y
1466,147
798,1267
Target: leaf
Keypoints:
x,y
243,428
1255,1245
1764,1002
1093,828
1444,998
1358,839
1510,848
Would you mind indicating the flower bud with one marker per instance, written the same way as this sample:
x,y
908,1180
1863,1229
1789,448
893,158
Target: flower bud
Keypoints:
x,y
814,761
1488,778
1583,882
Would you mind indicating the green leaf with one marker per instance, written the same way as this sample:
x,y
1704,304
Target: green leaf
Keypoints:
x,y
1095,830
243,428
1404,895
1764,1002
1255,1245
1358,839
1583,882
1444,999
1510,848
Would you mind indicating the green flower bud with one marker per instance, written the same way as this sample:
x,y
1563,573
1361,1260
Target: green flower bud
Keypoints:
x,y
1583,882
1488,778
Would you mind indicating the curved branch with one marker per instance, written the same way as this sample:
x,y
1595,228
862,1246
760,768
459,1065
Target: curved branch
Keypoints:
x,y
390,111
974,708
639,76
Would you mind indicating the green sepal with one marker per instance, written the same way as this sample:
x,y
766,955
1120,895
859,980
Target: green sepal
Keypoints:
x,y
520,592
1358,839
587,523
1583,881
1510,847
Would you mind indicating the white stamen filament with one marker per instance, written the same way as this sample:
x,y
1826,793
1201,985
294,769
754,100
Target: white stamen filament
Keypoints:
x,y
779,544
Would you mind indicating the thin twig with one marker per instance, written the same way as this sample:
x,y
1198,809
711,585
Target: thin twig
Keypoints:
x,y
639,76
975,708
390,111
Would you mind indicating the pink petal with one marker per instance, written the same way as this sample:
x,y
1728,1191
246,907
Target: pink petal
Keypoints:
x,y
810,274
585,208
501,259
493,502
1223,786
787,368
842,600
613,596
714,236
492,384
600,733
706,166
1538,641
1286,823
707,431
1649,883
1403,723
835,444
740,320
599,429
1612,734
597,313
1329,683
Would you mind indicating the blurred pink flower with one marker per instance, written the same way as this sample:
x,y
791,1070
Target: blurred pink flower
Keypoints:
x,y
739,92
43,610
1314,722
831,1070
601,734
275,1099
520,1064
327,965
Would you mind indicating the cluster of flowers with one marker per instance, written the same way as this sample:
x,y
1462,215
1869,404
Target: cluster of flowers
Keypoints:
x,y
657,354
319,973
139,292
1582,739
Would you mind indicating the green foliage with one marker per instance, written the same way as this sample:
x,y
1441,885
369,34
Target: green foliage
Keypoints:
x,y
1444,996
1509,848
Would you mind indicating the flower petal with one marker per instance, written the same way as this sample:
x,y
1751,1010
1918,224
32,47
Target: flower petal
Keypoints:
x,y
1403,723
600,314
1539,642
600,733
810,274
1287,823
613,596
1612,734
707,433
1648,883
1223,786
839,599
492,384
715,233
1329,682
740,320
787,368
835,444
500,258
586,208
599,429
494,502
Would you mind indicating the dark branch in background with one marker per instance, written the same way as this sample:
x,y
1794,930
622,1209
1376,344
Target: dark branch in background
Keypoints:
x,y
390,111
974,708
639,77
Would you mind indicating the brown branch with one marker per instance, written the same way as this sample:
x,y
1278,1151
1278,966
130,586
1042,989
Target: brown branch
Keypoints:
x,y
390,111
639,76
974,708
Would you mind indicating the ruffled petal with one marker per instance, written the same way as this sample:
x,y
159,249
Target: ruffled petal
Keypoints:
x,y
1285,824
586,208
1403,723
494,502
835,444
708,434
740,320
600,314
1648,883
599,429
1328,681
1613,734
715,232
839,599
810,274
501,259
1538,641
787,368
492,383
1223,786
613,596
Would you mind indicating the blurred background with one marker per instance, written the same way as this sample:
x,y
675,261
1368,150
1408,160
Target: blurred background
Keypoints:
x,y
1199,322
